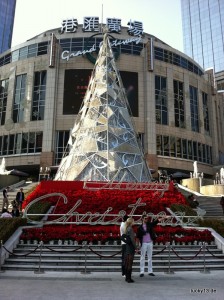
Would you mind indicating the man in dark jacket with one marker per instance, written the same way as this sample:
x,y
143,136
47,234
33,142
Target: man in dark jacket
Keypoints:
x,y
19,198
146,236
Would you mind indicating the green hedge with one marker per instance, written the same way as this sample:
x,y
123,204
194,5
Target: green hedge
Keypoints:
x,y
217,225
9,225
183,208
39,208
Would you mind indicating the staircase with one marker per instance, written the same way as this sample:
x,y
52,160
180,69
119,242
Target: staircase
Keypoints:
x,y
107,258
210,204
14,189
212,207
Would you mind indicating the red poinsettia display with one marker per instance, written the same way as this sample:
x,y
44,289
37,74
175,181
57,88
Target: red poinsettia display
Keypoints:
x,y
100,200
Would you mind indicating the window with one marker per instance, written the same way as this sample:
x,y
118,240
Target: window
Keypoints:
x,y
161,100
178,104
205,112
159,149
61,143
166,146
172,146
3,99
173,58
23,53
184,149
19,98
32,50
39,95
21,143
178,147
194,109
42,48
11,144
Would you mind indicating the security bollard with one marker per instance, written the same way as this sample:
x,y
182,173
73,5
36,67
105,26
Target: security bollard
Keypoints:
x,y
85,272
39,271
1,271
204,271
169,270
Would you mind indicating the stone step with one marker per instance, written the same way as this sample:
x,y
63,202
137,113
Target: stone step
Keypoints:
x,y
12,193
184,257
101,260
81,268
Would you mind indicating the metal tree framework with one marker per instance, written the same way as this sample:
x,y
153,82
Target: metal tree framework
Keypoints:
x,y
103,145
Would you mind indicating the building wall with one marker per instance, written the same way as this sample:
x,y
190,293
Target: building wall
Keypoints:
x,y
146,124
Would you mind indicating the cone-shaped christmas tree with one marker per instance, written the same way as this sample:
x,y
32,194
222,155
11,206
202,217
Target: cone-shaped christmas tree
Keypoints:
x,y
103,145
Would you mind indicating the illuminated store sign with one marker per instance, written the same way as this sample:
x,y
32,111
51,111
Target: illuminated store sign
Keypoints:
x,y
66,55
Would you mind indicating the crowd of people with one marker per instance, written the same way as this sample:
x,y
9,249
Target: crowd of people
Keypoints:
x,y
16,204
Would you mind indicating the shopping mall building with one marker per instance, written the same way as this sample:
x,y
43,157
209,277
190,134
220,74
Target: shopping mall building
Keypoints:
x,y
179,116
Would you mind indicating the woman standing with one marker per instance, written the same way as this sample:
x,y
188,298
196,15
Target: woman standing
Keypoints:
x,y
130,249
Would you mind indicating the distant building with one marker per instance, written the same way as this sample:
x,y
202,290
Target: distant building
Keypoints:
x,y
178,114
203,32
7,14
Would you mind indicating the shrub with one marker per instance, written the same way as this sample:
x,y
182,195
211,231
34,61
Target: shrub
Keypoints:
x,y
38,208
217,225
9,225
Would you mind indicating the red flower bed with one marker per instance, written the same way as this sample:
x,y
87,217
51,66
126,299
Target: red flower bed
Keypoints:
x,y
93,234
99,201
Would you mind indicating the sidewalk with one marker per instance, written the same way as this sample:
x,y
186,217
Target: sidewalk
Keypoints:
x,y
96,286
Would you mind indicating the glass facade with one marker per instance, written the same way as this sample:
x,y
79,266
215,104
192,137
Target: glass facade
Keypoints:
x,y
203,31
19,98
178,104
187,149
21,143
3,99
177,60
62,138
161,100
194,109
7,13
39,95
205,113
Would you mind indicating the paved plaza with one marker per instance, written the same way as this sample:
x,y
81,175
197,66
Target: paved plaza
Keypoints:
x,y
96,286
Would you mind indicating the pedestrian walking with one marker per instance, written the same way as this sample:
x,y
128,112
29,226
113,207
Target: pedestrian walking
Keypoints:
x,y
5,203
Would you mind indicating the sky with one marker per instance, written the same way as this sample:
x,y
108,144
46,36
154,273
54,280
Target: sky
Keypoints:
x,y
161,18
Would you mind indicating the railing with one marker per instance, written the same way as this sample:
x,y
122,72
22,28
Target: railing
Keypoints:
x,y
203,248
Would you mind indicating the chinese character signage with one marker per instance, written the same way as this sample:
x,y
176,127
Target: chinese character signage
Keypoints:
x,y
114,25
69,25
135,28
91,24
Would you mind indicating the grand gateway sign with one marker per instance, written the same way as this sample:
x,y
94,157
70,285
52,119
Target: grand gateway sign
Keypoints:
x,y
66,55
